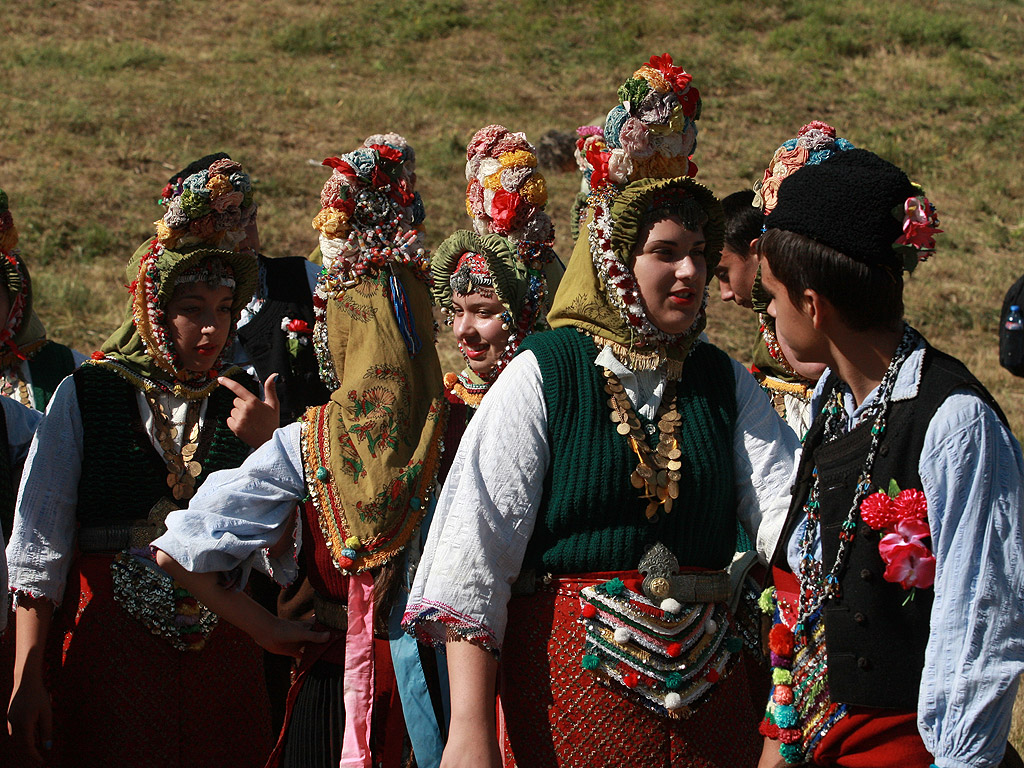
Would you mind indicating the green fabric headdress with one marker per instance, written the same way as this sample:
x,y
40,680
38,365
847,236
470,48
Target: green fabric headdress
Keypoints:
x,y
598,292
140,350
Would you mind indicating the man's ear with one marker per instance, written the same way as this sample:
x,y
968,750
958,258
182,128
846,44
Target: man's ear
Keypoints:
x,y
752,248
818,309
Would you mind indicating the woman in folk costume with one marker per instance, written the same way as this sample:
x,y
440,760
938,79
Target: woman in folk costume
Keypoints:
x,y
492,284
31,366
139,673
617,440
789,384
365,463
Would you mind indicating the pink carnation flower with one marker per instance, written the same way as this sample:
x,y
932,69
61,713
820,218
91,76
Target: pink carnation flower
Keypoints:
x,y
910,564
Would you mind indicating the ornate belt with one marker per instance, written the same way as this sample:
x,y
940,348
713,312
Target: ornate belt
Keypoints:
x,y
329,613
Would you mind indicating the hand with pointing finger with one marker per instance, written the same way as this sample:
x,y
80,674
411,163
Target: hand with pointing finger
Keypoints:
x,y
253,420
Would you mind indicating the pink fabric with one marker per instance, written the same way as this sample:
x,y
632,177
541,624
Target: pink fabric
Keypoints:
x,y
355,745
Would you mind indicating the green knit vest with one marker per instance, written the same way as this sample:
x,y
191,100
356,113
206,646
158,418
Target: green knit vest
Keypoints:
x,y
48,368
122,474
591,518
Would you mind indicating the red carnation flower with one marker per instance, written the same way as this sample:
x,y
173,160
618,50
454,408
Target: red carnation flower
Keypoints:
x,y
911,504
97,355
299,326
388,153
677,77
506,209
876,510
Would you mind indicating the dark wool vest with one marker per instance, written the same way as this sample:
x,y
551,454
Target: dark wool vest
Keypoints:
x,y
122,474
48,367
298,383
8,488
591,518
875,642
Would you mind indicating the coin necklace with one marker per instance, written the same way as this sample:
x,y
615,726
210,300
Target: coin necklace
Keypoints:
x,y
182,468
658,472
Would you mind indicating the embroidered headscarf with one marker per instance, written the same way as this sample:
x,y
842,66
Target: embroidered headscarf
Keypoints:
x,y
816,141
371,453
598,292
141,350
23,333
509,253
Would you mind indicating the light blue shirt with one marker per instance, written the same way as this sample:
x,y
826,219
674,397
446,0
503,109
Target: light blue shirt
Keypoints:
x,y
971,474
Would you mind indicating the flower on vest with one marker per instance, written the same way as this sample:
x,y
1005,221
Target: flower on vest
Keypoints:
x,y
902,518
299,334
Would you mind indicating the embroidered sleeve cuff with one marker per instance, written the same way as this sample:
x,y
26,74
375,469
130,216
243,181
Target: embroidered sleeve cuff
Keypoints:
x,y
435,624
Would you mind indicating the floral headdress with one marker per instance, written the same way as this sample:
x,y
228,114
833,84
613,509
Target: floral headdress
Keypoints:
x,y
369,210
651,134
211,207
815,142
22,334
510,248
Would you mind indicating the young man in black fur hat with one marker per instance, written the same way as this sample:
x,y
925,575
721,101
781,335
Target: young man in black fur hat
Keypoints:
x,y
903,551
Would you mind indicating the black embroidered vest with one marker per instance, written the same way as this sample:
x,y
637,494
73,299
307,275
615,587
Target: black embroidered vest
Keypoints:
x,y
122,474
298,383
874,637
8,486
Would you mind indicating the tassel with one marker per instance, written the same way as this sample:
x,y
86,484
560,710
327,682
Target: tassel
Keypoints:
x,y
406,326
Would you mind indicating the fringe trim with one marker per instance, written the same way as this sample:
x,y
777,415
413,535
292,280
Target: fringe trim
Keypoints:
x,y
641,361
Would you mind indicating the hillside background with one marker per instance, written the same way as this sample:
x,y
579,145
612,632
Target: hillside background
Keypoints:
x,y
101,101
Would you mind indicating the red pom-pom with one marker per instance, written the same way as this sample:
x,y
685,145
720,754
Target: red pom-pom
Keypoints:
x,y
877,511
97,355
783,694
769,729
630,680
589,610
345,562
789,735
780,640
674,649
712,676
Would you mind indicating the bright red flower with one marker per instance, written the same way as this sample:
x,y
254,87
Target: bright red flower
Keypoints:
x,y
97,355
506,207
910,504
388,153
876,510
910,564
299,326
340,166
677,77
599,162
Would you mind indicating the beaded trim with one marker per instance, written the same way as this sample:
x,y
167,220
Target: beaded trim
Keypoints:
x,y
435,624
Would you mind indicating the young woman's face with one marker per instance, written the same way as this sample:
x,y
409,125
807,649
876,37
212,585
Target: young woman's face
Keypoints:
x,y
671,273
735,273
198,319
477,326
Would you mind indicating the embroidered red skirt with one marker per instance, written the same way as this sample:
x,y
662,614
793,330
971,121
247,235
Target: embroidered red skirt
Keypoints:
x,y
122,696
557,714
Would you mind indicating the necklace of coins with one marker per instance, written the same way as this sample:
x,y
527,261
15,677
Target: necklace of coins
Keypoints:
x,y
182,468
658,472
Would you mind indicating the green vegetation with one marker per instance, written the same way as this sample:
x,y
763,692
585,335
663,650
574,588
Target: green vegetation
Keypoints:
x,y
102,101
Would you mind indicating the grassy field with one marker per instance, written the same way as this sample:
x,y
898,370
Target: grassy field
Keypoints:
x,y
101,101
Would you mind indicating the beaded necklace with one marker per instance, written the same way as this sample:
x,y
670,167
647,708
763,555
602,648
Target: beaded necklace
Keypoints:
x,y
816,588
658,472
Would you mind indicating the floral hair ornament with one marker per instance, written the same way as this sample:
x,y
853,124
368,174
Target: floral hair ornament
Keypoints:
x,y
212,206
651,134
920,225
369,208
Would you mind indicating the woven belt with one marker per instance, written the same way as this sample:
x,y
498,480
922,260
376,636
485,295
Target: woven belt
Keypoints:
x,y
118,537
329,613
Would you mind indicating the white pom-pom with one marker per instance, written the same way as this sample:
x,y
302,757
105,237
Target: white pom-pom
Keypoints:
x,y
711,627
622,635
673,700
670,605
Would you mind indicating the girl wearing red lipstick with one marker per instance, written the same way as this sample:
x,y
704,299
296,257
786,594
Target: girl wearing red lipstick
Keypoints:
x,y
116,664
613,449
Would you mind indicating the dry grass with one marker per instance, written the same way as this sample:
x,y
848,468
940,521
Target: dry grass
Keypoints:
x,y
102,100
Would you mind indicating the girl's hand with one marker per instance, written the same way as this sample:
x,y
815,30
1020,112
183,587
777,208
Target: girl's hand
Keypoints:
x,y
30,718
253,420
288,638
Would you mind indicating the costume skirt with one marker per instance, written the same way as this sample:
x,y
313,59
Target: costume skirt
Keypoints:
x,y
122,696
554,713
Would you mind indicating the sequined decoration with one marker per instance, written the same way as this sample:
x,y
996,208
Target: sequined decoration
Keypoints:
x,y
658,472
182,467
